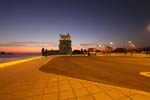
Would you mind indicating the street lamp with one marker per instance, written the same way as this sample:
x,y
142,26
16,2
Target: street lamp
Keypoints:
x,y
131,45
111,43
99,45
129,42
148,28
148,46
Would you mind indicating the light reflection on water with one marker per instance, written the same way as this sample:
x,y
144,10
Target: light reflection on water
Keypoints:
x,y
13,57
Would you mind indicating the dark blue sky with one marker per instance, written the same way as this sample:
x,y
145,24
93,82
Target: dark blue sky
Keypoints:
x,y
88,21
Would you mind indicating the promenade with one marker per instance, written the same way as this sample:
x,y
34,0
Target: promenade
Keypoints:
x,y
24,81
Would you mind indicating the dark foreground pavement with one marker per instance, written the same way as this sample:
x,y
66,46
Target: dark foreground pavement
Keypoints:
x,y
117,71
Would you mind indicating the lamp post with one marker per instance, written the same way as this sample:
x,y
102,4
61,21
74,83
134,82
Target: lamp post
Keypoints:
x,y
131,46
111,43
148,46
98,48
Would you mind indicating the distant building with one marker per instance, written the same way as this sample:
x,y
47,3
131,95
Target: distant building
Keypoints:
x,y
92,51
53,52
65,46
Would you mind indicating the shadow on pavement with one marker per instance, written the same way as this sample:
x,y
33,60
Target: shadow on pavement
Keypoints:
x,y
99,70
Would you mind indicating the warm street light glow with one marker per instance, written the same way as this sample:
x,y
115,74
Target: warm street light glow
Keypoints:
x,y
99,45
129,41
148,28
111,43
132,45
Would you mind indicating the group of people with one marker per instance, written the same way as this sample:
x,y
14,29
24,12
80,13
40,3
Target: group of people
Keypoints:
x,y
44,52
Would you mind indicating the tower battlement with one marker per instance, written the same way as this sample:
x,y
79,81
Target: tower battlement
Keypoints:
x,y
65,37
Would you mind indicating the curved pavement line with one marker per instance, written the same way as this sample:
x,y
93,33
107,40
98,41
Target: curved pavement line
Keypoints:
x,y
147,74
2,65
112,86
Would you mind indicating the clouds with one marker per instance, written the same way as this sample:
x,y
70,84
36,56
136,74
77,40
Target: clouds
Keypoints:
x,y
35,46
87,44
26,47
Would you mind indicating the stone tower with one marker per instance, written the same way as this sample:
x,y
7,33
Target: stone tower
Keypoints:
x,y
65,44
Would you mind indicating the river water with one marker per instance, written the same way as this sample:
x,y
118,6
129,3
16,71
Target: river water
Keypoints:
x,y
13,57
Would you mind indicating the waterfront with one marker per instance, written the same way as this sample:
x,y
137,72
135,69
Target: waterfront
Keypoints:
x,y
14,57
24,81
123,71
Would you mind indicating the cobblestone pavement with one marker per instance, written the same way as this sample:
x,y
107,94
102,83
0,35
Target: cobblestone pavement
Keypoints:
x,y
25,82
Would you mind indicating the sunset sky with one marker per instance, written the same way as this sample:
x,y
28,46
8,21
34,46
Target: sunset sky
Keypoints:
x,y
29,25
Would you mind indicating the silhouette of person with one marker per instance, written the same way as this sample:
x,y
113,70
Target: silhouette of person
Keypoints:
x,y
46,53
43,52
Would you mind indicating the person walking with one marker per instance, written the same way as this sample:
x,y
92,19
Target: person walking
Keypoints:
x,y
43,52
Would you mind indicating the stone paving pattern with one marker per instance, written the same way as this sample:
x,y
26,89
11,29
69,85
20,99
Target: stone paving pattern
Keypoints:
x,y
25,82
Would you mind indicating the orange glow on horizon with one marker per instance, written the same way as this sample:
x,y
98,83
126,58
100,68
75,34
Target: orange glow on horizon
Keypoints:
x,y
15,49
31,49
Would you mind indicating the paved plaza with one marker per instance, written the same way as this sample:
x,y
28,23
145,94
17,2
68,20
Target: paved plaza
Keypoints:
x,y
24,81
113,70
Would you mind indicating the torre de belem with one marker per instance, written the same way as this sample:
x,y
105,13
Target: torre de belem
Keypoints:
x,y
65,46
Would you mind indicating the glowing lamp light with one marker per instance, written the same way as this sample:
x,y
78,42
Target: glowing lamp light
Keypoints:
x,y
99,45
111,43
129,41
148,28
